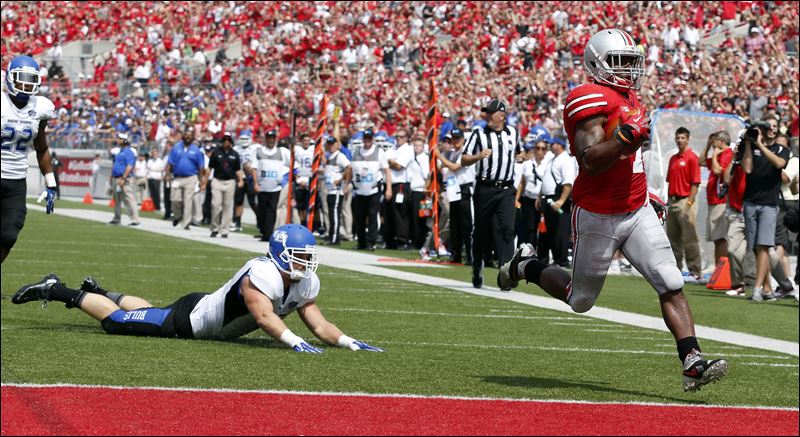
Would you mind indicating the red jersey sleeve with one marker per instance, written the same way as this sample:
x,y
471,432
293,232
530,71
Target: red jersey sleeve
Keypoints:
x,y
588,100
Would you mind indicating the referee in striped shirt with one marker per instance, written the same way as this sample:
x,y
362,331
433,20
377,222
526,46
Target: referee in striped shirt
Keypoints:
x,y
493,148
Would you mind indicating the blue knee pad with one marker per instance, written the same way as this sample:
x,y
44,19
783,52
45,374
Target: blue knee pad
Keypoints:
x,y
142,322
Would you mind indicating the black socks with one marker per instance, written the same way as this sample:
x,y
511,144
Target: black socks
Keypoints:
x,y
685,346
72,298
533,272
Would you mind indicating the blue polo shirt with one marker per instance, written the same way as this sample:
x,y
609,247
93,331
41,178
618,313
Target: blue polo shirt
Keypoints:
x,y
186,162
124,158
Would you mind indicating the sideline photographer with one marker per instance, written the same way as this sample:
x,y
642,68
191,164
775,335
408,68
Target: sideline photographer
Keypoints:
x,y
762,162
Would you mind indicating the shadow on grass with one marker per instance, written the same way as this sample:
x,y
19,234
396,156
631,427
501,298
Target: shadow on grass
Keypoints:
x,y
554,383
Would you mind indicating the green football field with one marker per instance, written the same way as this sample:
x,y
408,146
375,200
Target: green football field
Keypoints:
x,y
438,341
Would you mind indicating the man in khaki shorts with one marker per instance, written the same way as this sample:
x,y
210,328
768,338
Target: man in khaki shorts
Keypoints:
x,y
716,191
186,165
227,167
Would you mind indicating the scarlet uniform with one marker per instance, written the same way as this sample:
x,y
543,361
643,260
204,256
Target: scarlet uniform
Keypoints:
x,y
623,187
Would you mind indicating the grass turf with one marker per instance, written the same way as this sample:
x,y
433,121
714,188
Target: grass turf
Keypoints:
x,y
438,341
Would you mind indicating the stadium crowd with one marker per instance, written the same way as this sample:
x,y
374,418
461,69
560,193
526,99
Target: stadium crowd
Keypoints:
x,y
374,61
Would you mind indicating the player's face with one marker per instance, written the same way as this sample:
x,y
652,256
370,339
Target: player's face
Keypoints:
x,y
367,142
297,267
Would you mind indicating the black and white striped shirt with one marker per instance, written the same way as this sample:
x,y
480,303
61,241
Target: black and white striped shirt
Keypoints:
x,y
499,166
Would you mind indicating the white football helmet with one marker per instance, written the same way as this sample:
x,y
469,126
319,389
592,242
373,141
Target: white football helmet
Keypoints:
x,y
612,58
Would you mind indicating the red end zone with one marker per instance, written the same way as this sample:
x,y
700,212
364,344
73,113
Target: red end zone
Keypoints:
x,y
118,411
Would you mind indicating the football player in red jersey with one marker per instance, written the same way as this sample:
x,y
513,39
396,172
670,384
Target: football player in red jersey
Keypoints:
x,y
606,126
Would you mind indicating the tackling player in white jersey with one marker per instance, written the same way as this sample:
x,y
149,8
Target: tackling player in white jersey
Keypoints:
x,y
25,117
263,292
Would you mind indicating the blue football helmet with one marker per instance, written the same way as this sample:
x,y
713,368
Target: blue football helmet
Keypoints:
x,y
538,133
291,246
23,71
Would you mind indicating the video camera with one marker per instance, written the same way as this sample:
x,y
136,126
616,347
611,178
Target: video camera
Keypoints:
x,y
752,129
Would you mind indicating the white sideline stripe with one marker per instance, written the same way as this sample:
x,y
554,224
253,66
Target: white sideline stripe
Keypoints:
x,y
562,349
395,395
423,313
364,263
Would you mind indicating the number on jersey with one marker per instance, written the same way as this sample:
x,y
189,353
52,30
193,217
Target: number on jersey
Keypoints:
x,y
16,141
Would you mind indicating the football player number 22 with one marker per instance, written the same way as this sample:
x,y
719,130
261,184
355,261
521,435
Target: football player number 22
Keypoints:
x,y
14,141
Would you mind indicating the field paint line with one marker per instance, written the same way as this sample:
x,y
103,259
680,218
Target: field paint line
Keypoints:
x,y
767,364
602,325
622,337
78,252
363,263
614,330
424,313
395,395
561,349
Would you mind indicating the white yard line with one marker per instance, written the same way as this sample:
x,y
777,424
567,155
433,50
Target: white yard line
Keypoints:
x,y
365,263
561,349
391,395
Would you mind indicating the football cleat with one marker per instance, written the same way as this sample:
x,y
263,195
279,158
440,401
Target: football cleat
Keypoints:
x,y
698,372
36,291
89,285
508,276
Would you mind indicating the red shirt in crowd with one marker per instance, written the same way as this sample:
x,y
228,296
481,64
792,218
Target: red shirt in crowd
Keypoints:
x,y
683,172
736,189
724,159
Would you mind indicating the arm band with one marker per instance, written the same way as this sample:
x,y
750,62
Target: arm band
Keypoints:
x,y
50,180
290,338
345,341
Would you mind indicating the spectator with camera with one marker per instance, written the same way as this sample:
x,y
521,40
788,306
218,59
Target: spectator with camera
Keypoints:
x,y
763,161
717,191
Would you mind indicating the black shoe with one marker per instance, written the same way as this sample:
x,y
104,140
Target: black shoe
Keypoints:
x,y
214,234
36,291
263,239
225,236
175,222
113,222
360,248
371,248
477,279
404,247
187,227
194,223
455,260
134,224
89,285
698,372
258,236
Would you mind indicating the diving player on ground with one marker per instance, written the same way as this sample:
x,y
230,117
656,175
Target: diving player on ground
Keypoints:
x,y
259,295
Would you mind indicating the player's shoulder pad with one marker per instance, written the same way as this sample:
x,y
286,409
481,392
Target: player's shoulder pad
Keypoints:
x,y
45,108
266,277
587,100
